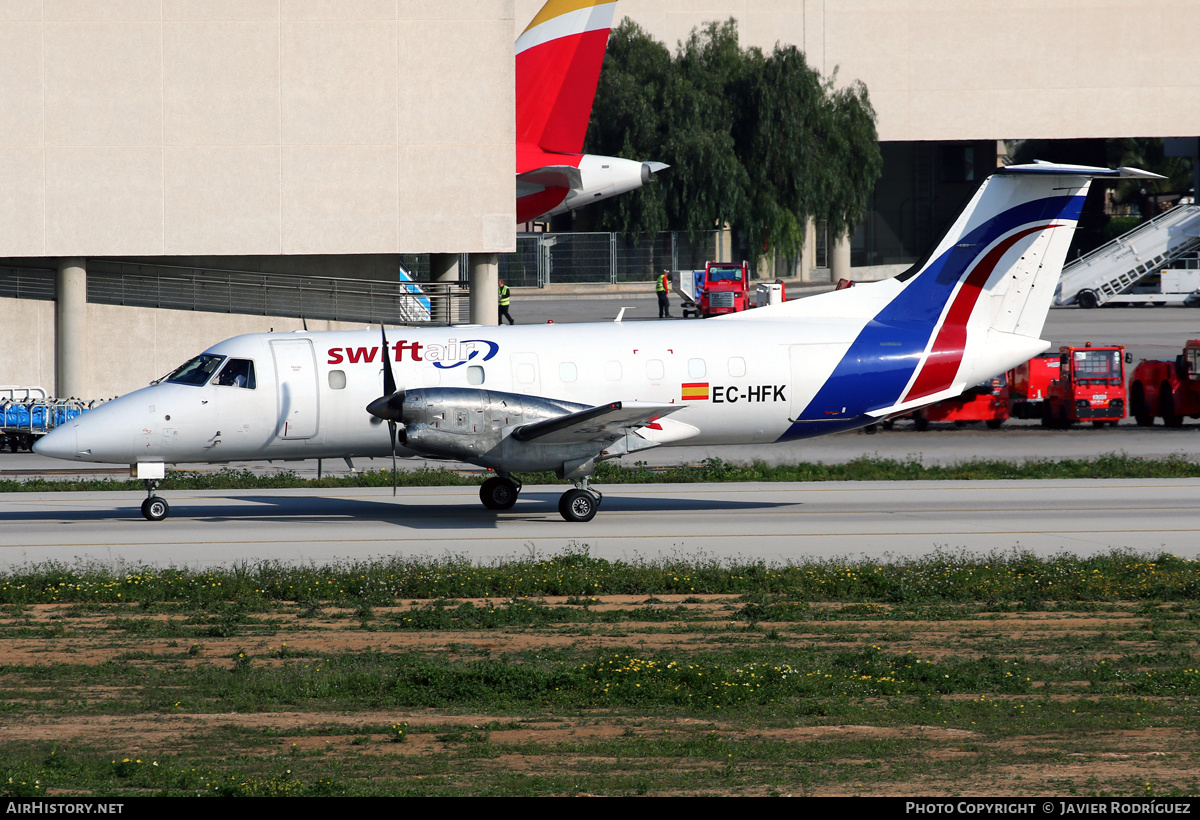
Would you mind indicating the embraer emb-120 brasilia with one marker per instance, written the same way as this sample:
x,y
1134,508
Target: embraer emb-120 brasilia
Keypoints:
x,y
565,397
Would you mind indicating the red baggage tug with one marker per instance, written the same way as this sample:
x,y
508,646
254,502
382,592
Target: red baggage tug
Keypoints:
x,y
1090,387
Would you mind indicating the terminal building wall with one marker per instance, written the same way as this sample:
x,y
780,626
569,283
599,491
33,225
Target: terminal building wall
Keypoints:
x,y
127,347
255,127
978,69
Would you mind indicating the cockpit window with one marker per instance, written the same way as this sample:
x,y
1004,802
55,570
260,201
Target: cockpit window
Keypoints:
x,y
196,371
1092,364
725,273
237,373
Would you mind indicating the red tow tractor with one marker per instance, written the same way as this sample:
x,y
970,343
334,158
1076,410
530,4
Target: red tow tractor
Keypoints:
x,y
1090,387
723,287
726,288
1167,389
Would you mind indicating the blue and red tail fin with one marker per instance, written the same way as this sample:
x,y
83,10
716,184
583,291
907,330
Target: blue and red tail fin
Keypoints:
x,y
559,56
973,309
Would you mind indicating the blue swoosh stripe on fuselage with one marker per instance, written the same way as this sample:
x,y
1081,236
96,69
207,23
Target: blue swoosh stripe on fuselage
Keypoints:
x,y
881,360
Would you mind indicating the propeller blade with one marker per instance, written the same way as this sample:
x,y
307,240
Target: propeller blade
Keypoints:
x,y
383,407
389,380
388,405
392,431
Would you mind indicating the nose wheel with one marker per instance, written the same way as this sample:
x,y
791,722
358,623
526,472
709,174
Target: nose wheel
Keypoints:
x,y
154,508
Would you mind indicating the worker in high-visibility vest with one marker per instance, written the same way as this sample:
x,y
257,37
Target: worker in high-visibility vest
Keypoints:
x,y
662,286
505,300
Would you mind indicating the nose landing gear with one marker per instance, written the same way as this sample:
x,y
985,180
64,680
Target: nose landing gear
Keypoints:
x,y
154,508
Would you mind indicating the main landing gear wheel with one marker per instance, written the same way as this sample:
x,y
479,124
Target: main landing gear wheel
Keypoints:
x,y
578,505
155,508
499,493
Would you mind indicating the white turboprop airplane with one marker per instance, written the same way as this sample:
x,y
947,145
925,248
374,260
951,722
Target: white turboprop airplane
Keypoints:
x,y
564,397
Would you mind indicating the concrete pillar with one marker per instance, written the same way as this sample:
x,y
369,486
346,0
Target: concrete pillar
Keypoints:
x,y
443,273
443,267
484,283
839,259
724,243
70,328
808,254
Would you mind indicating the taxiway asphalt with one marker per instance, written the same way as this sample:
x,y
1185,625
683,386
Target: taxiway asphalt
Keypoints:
x,y
771,522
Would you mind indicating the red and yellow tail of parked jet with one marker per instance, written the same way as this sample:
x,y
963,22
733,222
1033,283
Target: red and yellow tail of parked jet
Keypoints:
x,y
559,56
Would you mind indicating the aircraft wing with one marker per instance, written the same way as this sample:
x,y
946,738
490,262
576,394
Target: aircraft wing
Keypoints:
x,y
553,176
600,424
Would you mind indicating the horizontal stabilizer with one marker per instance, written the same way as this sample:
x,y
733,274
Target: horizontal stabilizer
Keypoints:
x,y
602,423
553,176
1056,169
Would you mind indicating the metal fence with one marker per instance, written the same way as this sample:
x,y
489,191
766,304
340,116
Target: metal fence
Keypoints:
x,y
602,258
540,259
260,294
27,283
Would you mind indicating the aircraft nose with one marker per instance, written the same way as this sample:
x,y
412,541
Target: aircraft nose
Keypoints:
x,y
62,442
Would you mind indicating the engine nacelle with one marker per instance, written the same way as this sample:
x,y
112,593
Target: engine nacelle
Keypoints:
x,y
604,177
476,426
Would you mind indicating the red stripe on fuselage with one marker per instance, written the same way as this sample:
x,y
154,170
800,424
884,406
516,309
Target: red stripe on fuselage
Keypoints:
x,y
940,368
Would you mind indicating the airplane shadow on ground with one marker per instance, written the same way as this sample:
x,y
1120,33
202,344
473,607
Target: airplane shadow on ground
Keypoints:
x,y
532,507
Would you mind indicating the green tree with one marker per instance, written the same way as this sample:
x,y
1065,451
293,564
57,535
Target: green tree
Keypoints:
x,y
759,141
1149,154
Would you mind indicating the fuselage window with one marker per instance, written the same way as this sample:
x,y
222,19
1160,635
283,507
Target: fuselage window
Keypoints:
x,y
612,371
475,374
567,372
654,370
696,368
737,366
196,371
337,379
237,373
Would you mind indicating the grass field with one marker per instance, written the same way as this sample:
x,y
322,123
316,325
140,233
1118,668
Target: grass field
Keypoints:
x,y
867,468
992,675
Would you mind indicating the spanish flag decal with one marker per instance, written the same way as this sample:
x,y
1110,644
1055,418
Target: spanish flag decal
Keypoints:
x,y
695,391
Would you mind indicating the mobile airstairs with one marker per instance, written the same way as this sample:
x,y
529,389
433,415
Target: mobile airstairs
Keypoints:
x,y
1109,273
